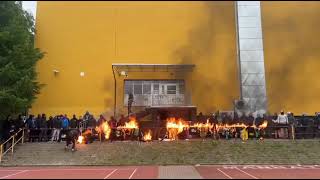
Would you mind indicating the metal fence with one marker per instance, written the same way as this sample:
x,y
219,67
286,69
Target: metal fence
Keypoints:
x,y
11,142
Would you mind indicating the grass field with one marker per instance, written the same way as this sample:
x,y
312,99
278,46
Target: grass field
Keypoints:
x,y
171,153
214,152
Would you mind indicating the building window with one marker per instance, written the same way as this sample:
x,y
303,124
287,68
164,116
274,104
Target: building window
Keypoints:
x,y
137,88
181,88
171,89
155,88
128,87
146,88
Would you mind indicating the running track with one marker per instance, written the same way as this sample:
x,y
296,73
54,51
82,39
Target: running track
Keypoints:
x,y
151,172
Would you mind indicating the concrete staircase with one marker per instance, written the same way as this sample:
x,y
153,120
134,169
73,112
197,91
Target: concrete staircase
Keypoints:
x,y
53,153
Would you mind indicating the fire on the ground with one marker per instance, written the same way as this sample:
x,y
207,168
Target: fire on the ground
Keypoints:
x,y
175,126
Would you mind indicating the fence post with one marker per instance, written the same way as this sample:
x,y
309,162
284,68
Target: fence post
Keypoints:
x,y
1,151
22,141
12,144
293,132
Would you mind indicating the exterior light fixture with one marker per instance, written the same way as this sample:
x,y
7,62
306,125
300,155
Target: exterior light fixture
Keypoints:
x,y
81,74
124,73
55,72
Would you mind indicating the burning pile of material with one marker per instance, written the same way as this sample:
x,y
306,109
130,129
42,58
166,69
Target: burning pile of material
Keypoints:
x,y
175,127
105,129
147,136
80,139
132,124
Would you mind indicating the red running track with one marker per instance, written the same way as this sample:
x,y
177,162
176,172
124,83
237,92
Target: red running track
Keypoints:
x,y
151,172
260,172
111,172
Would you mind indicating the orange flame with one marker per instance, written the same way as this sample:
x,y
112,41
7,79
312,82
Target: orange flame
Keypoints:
x,y
263,125
132,124
147,136
175,127
207,125
80,139
105,128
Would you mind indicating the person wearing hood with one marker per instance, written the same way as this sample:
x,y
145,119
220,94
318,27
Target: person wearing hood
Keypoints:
x,y
71,138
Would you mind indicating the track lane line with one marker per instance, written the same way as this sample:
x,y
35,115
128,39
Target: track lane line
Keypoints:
x,y
246,173
4,177
58,169
224,173
133,173
108,175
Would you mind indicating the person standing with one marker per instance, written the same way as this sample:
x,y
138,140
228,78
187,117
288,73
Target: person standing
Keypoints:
x,y
65,126
130,101
74,122
282,121
157,127
43,128
56,124
113,126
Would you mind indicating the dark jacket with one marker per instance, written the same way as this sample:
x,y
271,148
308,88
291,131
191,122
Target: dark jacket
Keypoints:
x,y
74,123
43,123
57,124
50,123
73,134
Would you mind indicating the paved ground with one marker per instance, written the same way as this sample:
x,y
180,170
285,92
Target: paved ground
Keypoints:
x,y
165,172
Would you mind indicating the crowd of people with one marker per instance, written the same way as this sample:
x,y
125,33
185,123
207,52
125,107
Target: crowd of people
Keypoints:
x,y
55,128
281,123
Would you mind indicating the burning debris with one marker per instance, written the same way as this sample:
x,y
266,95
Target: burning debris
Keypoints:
x,y
147,136
132,124
175,127
105,129
80,139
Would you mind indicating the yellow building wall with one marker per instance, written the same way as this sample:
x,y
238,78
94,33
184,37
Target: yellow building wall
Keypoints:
x,y
292,56
90,36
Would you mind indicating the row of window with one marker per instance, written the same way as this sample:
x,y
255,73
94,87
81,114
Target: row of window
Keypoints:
x,y
154,87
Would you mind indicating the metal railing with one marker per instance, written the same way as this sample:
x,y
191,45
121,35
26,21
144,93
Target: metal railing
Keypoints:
x,y
13,142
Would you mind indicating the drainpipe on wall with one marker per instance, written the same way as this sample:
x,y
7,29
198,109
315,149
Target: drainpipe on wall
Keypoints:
x,y
115,93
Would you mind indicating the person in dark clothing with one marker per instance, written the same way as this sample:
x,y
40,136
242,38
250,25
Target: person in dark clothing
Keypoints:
x,y
8,128
19,121
38,130
43,126
57,125
122,121
92,122
130,101
50,122
257,122
71,138
32,126
74,122
101,120
113,125
157,127
250,121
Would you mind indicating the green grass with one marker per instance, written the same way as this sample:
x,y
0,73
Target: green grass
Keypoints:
x,y
178,153
210,152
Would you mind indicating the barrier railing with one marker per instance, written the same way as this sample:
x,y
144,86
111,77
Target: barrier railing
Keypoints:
x,y
13,140
271,132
